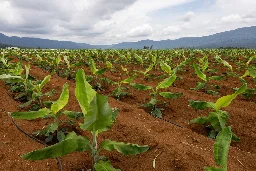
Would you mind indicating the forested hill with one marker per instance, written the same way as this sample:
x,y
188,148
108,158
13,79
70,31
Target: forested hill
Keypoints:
x,y
242,37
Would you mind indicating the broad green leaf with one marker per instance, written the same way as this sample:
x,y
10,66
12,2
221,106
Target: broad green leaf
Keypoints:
x,y
124,148
31,114
124,69
165,67
225,63
167,82
252,71
73,115
141,86
84,92
62,101
148,69
60,136
104,166
101,71
221,146
129,80
154,59
241,89
201,105
27,68
8,76
138,58
218,119
216,77
51,128
109,65
93,66
157,112
200,120
26,104
224,101
245,74
199,72
99,115
152,101
67,61
205,63
71,143
57,60
170,95
45,81
250,59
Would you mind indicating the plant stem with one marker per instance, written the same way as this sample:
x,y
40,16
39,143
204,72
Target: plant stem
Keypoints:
x,y
94,148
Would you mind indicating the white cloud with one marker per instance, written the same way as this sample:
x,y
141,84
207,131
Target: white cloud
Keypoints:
x,y
141,31
171,29
114,21
232,18
188,16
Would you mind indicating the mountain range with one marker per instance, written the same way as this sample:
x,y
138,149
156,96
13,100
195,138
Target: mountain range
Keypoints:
x,y
242,37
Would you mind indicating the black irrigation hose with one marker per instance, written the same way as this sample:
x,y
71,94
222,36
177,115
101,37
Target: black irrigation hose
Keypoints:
x,y
171,122
35,139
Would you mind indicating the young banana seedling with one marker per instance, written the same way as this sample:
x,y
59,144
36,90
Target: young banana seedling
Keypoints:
x,y
120,90
205,86
218,118
96,72
55,111
152,104
221,148
98,117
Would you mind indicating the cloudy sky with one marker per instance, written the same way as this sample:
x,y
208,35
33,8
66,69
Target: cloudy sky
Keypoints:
x,y
115,21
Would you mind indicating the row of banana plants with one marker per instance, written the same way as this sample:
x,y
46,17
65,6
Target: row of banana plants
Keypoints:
x,y
97,116
170,67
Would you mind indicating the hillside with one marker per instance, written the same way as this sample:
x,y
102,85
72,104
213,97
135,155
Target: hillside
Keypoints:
x,y
242,37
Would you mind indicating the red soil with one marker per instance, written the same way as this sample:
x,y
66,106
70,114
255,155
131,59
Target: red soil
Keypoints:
x,y
187,148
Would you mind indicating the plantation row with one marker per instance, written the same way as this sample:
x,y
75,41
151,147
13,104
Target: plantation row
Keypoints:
x,y
121,73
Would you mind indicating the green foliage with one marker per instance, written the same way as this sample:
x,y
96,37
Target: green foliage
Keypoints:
x,y
199,73
31,114
217,118
221,148
104,166
71,143
152,104
120,90
62,101
124,148
54,111
84,93
98,117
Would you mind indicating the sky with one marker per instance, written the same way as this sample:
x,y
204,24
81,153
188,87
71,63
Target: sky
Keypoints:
x,y
113,21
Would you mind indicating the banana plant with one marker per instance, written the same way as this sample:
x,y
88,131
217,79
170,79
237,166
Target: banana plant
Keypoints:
x,y
218,118
221,148
35,91
96,72
55,111
56,63
120,90
9,68
98,117
68,71
225,63
152,104
205,85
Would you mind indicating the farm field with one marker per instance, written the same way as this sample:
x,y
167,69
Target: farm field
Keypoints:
x,y
159,96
